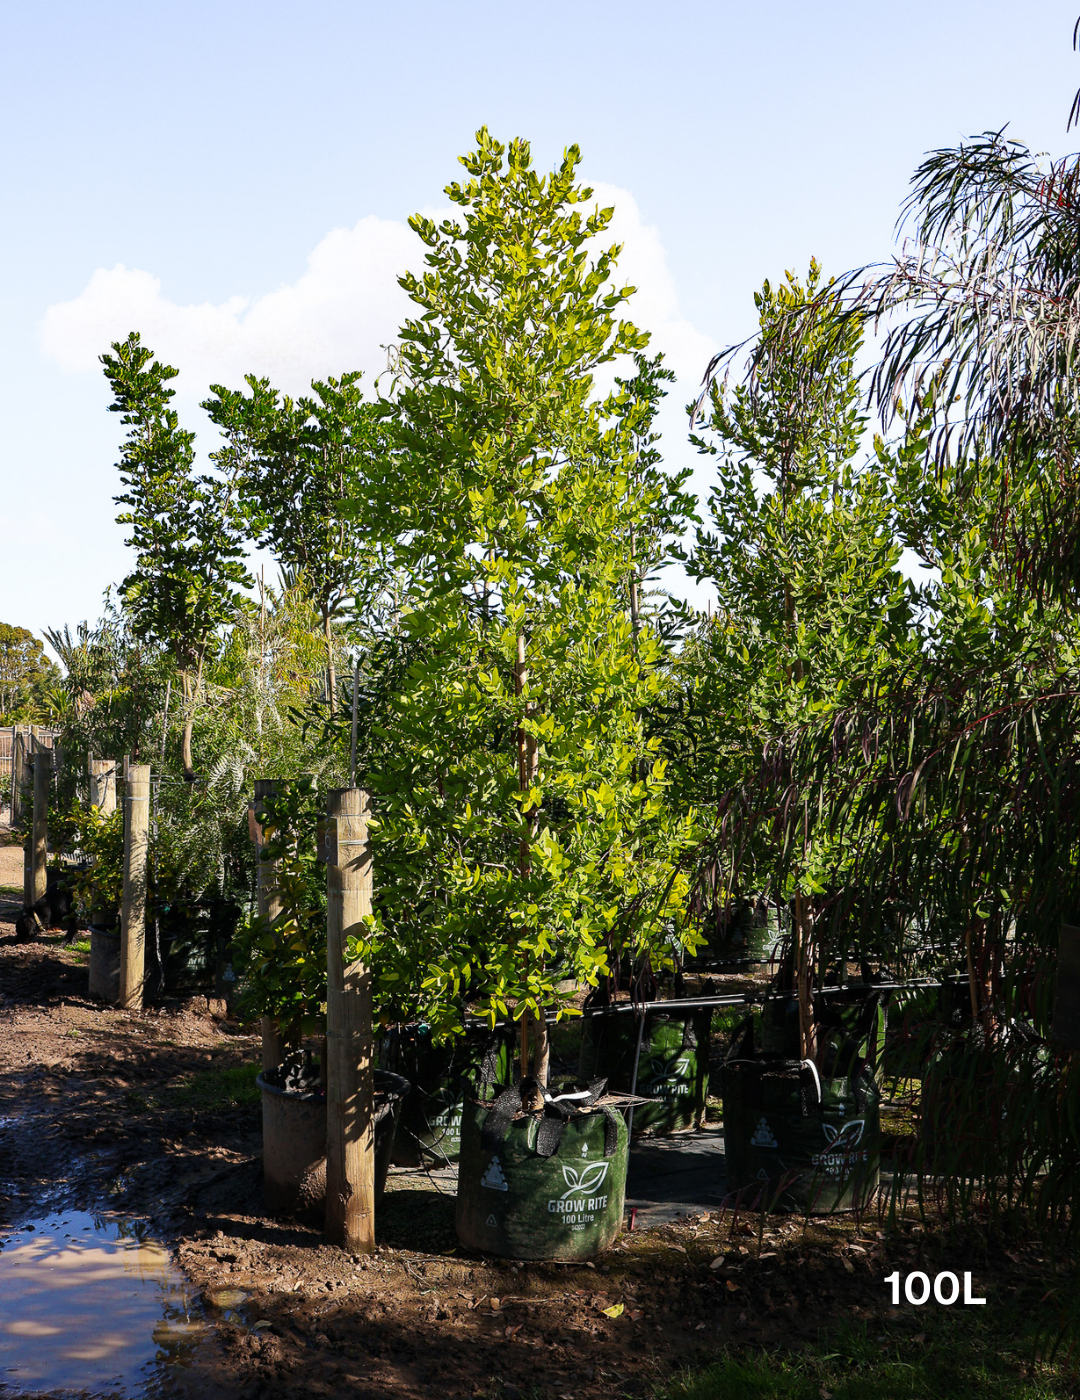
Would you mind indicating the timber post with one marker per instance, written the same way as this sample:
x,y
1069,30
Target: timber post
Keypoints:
x,y
133,913
103,785
350,1086
40,832
269,907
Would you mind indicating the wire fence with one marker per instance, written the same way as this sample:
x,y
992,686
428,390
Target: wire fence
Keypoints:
x,y
18,742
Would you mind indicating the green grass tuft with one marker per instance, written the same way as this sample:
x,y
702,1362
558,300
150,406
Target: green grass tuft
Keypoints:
x,y
218,1089
959,1357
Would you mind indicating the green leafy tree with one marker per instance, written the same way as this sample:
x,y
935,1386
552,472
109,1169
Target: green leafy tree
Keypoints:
x,y
25,671
524,834
803,557
296,464
185,529
281,962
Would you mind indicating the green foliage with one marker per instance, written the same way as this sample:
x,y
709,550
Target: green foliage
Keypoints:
x,y
803,556
962,1352
524,833
217,1090
185,529
296,464
99,885
26,674
281,963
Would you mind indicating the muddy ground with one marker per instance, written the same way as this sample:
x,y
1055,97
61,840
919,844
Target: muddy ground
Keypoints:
x,y
102,1109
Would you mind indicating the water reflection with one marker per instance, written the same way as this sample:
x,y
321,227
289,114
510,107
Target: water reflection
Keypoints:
x,y
88,1303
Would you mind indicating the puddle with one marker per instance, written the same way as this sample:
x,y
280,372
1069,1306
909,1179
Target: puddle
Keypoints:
x,y
88,1303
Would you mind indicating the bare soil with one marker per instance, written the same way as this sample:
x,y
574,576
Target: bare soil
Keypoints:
x,y
100,1108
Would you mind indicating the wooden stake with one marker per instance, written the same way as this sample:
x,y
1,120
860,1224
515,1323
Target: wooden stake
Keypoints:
x,y
103,785
269,907
350,1089
40,838
133,913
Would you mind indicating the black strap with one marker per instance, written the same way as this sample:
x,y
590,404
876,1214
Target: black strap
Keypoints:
x,y
611,1129
489,1064
549,1134
742,1040
502,1112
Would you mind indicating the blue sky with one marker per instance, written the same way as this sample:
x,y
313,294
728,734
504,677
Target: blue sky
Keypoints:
x,y
233,180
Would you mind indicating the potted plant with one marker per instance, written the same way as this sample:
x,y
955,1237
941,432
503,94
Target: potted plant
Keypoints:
x,y
281,969
524,841
810,604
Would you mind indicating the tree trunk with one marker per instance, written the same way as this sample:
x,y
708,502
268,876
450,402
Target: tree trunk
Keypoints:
x,y
527,765
188,725
331,669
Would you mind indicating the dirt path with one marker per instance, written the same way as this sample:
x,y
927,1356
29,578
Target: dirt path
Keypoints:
x,y
11,864
131,1113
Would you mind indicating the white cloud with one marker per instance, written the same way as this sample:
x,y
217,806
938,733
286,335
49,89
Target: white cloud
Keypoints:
x,y
655,304
337,315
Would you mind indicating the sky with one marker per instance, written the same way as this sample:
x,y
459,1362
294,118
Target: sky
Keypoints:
x,y
234,179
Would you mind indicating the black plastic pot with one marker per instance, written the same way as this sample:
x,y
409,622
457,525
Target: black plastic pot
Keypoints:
x,y
294,1145
103,981
537,1186
441,1077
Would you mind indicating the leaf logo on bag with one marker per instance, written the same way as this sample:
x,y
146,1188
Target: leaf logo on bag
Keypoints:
x,y
675,1068
588,1179
850,1135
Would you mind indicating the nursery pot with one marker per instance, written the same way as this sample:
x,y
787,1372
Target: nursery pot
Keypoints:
x,y
971,1112
795,1141
673,1067
183,955
104,978
442,1077
746,937
294,1145
540,1186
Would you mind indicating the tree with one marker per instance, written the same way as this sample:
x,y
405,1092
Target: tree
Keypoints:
x,y
524,836
185,528
296,464
24,669
810,603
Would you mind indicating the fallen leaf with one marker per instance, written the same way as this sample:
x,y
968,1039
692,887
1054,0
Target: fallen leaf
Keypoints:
x,y
717,1262
680,1247
262,1322
825,1394
732,1286
919,1337
635,1316
848,1265
616,1310
496,1306
510,1331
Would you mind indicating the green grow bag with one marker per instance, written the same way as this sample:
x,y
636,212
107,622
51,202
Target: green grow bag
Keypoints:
x,y
541,1186
673,1071
747,936
796,1142
442,1078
